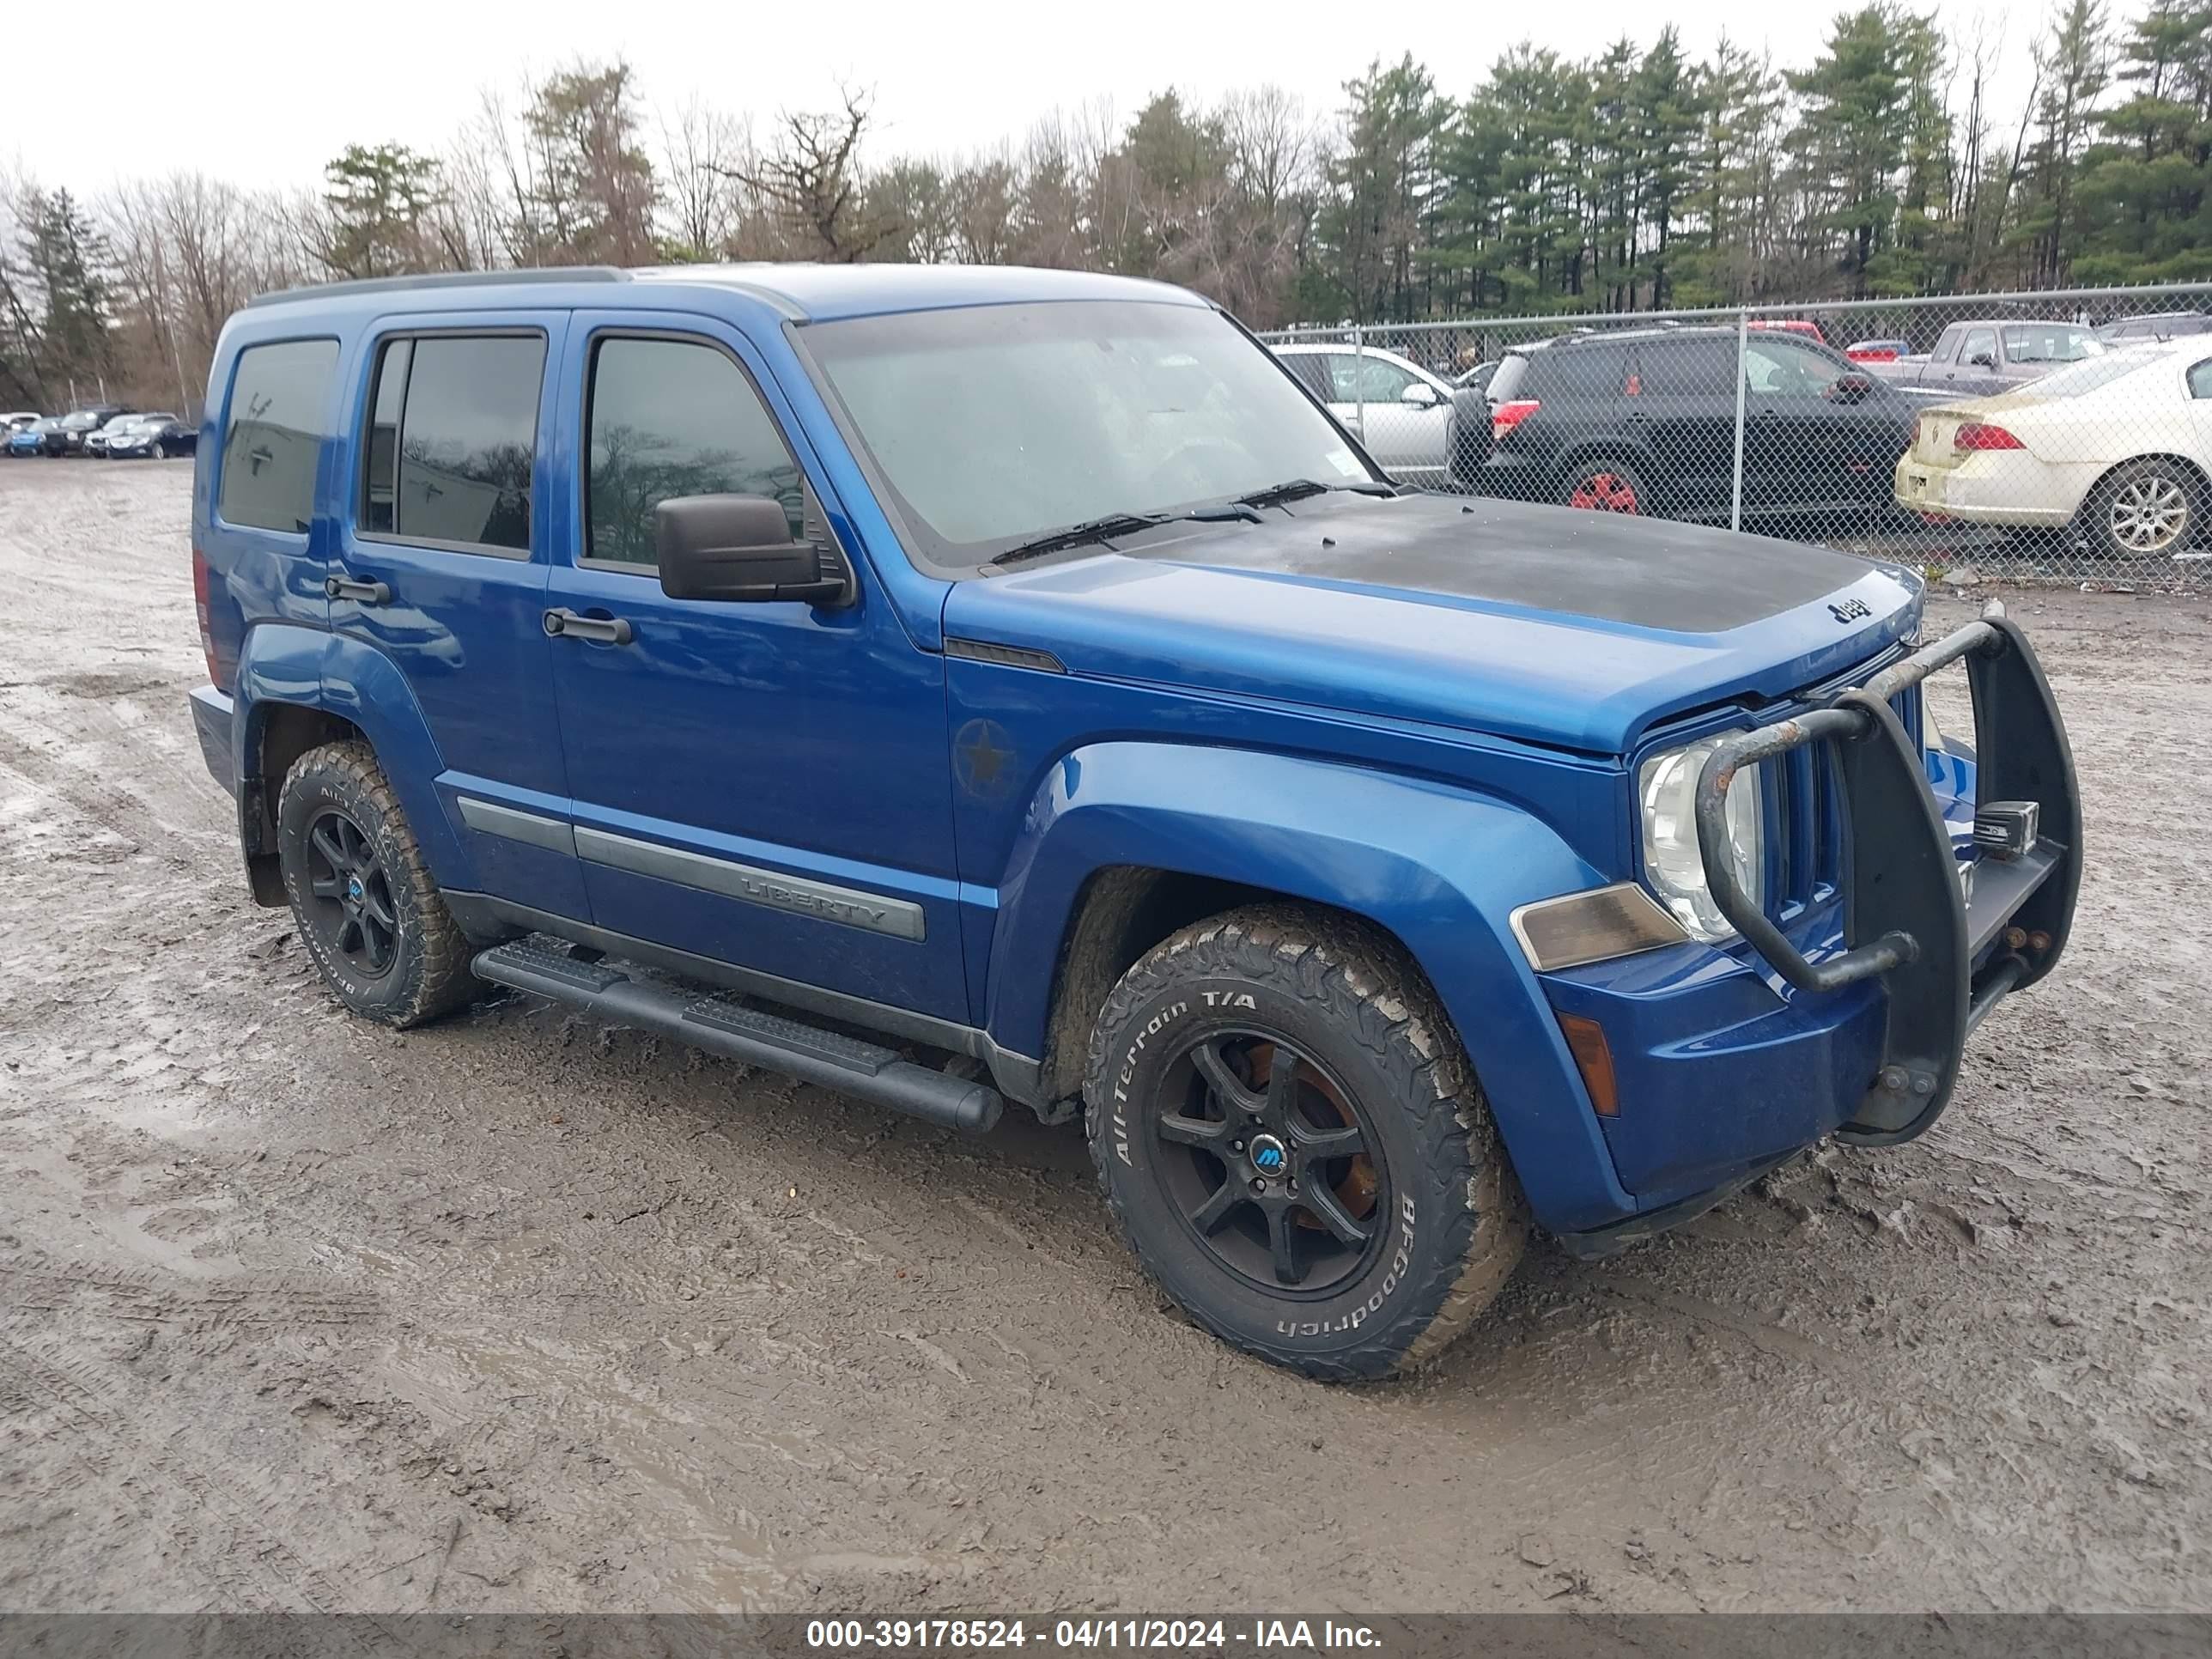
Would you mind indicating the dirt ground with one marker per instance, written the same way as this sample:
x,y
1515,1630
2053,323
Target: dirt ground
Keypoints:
x,y
515,1312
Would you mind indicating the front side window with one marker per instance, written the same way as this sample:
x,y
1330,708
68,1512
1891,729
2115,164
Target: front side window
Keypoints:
x,y
670,418
280,397
452,440
1782,368
1980,343
992,424
1358,378
2200,378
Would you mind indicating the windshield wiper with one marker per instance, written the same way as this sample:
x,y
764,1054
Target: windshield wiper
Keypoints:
x,y
1296,489
1120,523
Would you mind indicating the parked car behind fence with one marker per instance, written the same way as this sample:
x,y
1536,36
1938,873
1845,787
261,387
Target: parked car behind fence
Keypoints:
x,y
2115,452
1818,469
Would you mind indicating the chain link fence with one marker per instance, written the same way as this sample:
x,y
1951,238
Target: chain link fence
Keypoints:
x,y
2064,435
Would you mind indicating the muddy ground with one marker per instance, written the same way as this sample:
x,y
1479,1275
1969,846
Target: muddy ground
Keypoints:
x,y
516,1312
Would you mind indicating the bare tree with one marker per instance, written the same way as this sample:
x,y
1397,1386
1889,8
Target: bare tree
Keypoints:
x,y
811,178
700,148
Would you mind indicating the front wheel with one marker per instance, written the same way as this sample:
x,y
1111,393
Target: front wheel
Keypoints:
x,y
361,893
1294,1146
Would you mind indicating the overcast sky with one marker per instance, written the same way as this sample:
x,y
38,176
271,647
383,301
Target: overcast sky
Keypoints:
x,y
263,95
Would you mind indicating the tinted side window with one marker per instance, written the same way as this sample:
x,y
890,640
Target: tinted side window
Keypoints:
x,y
1584,372
669,418
1312,370
280,398
1688,369
380,480
467,440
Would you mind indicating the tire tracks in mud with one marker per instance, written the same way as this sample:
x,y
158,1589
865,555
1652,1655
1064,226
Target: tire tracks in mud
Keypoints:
x,y
254,1569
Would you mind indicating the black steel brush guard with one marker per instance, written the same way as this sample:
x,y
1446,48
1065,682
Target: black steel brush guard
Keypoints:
x,y
1945,959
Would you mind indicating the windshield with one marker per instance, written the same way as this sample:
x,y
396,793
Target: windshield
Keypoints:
x,y
82,418
993,425
2049,342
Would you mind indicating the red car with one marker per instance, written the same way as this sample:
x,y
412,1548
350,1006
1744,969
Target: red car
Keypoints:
x,y
1792,325
1876,351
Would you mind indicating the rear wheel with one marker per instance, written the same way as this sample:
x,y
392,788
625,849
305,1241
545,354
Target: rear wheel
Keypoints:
x,y
1604,485
1292,1144
2144,509
361,894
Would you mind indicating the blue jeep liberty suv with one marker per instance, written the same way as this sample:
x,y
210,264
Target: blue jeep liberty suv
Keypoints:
x,y
953,686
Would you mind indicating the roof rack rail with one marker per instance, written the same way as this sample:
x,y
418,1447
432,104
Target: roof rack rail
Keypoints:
x,y
443,279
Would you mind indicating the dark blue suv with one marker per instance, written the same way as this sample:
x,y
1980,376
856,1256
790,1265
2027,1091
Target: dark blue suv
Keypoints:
x,y
956,686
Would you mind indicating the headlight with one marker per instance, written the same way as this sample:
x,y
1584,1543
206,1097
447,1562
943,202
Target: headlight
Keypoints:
x,y
1674,869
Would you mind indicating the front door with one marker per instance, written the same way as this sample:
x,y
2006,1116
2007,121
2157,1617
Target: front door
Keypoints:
x,y
1368,393
440,566
762,784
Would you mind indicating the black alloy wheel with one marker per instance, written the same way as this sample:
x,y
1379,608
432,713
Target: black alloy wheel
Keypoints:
x,y
1283,1180
352,909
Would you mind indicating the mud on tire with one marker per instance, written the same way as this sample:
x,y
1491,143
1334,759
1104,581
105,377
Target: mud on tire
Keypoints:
x,y
357,880
1182,1095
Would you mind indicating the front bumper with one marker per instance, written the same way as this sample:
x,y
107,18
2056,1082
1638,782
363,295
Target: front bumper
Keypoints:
x,y
1854,1021
1943,956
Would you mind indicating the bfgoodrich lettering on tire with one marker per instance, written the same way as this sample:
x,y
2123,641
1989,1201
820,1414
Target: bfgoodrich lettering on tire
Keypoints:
x,y
367,910
1293,1144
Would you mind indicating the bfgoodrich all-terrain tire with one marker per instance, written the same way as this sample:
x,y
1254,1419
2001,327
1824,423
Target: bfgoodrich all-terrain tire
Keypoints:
x,y
1293,1144
362,896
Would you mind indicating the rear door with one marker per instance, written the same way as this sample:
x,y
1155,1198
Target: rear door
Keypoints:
x,y
1684,408
441,568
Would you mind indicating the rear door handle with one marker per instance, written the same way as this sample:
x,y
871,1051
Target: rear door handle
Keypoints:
x,y
342,587
566,624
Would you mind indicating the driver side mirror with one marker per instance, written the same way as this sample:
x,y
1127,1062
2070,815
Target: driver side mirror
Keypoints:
x,y
740,548
1419,394
1851,389
1982,359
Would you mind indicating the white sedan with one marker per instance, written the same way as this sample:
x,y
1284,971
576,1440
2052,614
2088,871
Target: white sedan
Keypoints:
x,y
2120,448
1400,412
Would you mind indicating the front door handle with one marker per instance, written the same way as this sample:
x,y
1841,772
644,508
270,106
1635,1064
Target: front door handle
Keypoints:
x,y
342,587
566,624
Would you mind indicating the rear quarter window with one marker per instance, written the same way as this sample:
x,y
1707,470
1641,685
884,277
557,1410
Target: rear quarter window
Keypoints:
x,y
279,415
1579,373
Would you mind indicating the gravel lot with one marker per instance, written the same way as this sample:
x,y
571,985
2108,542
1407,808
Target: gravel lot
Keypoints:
x,y
516,1312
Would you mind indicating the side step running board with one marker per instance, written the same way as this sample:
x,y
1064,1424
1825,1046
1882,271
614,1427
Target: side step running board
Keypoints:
x,y
847,1065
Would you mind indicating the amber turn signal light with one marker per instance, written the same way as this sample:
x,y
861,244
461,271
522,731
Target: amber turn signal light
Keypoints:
x,y
1586,1043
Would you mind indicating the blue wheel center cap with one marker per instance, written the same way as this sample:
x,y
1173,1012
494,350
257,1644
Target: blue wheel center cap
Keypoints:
x,y
1268,1155
354,889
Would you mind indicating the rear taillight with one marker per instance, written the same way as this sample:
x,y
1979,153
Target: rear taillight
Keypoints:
x,y
200,607
1980,435
1507,415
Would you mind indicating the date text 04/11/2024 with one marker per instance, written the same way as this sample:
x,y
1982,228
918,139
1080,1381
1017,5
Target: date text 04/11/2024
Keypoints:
x,y
1173,1635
